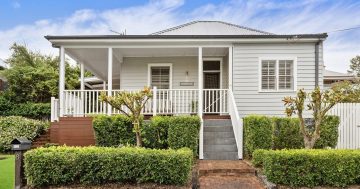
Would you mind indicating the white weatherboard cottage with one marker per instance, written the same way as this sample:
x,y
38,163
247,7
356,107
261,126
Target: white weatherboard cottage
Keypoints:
x,y
202,67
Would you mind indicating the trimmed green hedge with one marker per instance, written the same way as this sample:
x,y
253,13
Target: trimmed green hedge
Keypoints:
x,y
155,133
113,130
262,132
184,132
98,165
311,167
12,127
31,110
257,133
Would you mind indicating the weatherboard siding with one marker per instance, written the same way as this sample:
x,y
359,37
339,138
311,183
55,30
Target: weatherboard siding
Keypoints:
x,y
246,75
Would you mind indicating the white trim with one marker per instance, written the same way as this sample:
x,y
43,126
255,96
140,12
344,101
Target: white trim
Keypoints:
x,y
215,71
110,70
160,65
145,46
62,80
276,59
230,67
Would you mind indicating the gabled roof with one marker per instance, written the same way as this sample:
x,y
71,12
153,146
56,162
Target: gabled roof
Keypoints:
x,y
328,74
210,28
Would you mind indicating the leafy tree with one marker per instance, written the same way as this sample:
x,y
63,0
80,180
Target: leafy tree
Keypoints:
x,y
355,66
319,102
351,90
134,102
33,77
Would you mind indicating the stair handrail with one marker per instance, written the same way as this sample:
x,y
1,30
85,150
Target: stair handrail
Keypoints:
x,y
237,123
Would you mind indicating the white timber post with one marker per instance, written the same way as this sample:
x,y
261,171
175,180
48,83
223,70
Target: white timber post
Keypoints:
x,y
82,88
109,82
230,68
104,85
62,80
154,100
200,103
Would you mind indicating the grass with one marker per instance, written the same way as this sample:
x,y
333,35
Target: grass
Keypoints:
x,y
7,171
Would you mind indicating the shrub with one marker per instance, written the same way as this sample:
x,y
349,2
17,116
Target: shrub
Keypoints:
x,y
155,134
329,132
257,133
15,127
258,157
98,165
286,133
31,110
184,132
312,167
113,130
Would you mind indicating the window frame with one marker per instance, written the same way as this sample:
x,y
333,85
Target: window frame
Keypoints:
x,y
151,65
277,59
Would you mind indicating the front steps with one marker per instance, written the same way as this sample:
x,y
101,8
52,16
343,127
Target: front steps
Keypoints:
x,y
219,140
229,174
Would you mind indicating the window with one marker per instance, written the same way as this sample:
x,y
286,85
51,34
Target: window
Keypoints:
x,y
160,76
277,75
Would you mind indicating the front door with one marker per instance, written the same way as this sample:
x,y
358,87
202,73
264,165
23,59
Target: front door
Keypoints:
x,y
212,75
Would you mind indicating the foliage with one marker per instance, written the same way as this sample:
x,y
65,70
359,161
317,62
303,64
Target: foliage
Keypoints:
x,y
113,130
33,77
329,132
261,132
184,132
134,102
258,157
99,165
155,134
351,89
311,168
319,103
286,133
257,133
12,127
355,66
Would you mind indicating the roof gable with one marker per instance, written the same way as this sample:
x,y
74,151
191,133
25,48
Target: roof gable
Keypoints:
x,y
210,28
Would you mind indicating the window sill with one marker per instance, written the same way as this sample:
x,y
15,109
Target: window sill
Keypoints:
x,y
280,91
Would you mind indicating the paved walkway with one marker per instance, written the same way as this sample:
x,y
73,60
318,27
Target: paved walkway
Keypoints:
x,y
227,174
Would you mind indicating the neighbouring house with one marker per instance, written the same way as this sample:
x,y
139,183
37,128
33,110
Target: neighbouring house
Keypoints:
x,y
331,78
214,69
3,81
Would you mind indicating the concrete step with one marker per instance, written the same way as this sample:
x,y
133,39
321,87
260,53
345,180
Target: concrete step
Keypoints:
x,y
223,141
208,135
217,122
220,148
220,156
218,129
224,168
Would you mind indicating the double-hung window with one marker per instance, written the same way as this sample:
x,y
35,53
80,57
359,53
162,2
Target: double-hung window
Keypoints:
x,y
277,74
160,76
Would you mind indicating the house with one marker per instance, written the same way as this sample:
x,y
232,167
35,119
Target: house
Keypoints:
x,y
210,68
331,78
3,80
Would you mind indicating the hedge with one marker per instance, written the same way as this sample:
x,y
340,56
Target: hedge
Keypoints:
x,y
155,133
113,130
12,127
257,133
184,132
262,132
31,110
311,168
98,165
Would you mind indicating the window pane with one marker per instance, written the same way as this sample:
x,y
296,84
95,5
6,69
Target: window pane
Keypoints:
x,y
160,77
268,78
286,74
211,65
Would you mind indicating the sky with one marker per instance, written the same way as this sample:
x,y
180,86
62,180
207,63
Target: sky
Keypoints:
x,y
28,21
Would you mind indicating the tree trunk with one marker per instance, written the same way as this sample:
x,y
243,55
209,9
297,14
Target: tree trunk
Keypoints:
x,y
309,142
138,139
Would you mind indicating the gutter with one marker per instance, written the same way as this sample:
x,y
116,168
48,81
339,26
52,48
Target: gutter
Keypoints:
x,y
317,44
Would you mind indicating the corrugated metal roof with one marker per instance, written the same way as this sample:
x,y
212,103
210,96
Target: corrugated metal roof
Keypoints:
x,y
210,28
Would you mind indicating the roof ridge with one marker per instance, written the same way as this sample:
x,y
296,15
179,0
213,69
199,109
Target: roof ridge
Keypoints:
x,y
197,21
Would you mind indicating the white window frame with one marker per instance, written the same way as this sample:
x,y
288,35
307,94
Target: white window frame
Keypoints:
x,y
160,65
215,71
276,59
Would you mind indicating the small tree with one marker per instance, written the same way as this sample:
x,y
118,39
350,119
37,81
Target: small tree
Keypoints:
x,y
355,66
319,103
134,102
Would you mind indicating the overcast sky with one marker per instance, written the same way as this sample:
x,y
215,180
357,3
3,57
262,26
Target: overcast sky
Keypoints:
x,y
27,21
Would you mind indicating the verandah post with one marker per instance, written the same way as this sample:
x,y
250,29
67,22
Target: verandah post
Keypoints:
x,y
200,102
109,88
154,100
82,88
62,80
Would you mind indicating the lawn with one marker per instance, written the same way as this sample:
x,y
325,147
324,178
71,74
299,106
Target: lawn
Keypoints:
x,y
7,171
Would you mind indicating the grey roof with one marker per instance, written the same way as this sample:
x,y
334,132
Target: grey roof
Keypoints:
x,y
328,74
210,28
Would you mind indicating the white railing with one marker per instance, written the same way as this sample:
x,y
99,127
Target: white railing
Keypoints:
x,y
54,103
237,123
215,101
